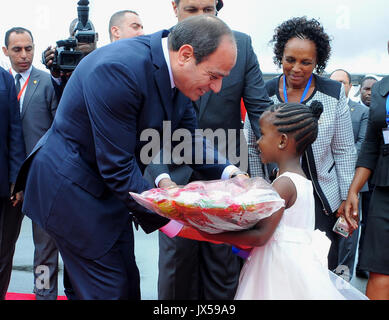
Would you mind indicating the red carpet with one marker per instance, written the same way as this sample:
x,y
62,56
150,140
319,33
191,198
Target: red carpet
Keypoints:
x,y
25,296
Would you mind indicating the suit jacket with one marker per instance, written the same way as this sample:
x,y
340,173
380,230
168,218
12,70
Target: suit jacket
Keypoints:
x,y
374,154
359,119
79,174
222,110
39,107
12,151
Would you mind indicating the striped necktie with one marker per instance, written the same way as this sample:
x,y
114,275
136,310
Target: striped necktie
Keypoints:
x,y
17,78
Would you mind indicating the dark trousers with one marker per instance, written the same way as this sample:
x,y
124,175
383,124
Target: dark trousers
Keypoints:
x,y
45,258
326,223
10,223
114,276
347,254
196,270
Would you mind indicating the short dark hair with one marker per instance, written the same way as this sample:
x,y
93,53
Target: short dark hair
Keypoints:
x,y
365,79
203,33
116,17
219,4
347,73
16,30
302,28
299,120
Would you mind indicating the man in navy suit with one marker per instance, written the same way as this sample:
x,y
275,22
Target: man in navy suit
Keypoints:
x,y
12,154
78,177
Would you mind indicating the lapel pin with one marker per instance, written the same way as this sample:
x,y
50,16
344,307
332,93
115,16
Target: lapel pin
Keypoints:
x,y
35,82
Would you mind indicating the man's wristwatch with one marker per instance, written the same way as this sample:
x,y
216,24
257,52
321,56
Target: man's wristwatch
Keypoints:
x,y
238,172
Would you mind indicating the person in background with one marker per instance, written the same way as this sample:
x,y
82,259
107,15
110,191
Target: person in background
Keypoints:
x,y
301,46
366,84
190,269
60,78
359,119
12,154
38,104
373,161
365,90
125,24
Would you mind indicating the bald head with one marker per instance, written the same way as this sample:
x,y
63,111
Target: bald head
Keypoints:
x,y
125,24
344,77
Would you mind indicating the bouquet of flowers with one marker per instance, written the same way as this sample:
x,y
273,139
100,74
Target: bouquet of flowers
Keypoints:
x,y
215,206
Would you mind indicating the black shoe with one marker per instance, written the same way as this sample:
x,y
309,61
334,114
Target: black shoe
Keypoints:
x,y
362,274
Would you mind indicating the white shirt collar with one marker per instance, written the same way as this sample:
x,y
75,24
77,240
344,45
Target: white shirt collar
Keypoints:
x,y
24,74
165,48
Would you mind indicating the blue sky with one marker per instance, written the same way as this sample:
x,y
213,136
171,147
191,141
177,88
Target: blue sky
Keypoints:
x,y
359,29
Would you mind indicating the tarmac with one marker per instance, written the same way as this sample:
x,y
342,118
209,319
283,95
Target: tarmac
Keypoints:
x,y
146,253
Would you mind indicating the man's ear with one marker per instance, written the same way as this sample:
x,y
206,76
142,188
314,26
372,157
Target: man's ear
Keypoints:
x,y
185,54
114,32
5,51
175,9
283,143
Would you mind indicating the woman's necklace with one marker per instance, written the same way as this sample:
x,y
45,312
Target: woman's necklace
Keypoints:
x,y
304,93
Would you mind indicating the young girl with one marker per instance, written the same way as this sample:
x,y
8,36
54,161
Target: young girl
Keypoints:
x,y
289,258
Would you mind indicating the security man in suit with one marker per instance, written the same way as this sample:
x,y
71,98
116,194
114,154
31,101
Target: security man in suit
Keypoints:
x,y
78,177
38,104
190,269
359,118
12,154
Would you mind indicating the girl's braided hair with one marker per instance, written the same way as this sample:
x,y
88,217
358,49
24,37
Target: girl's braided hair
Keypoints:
x,y
299,120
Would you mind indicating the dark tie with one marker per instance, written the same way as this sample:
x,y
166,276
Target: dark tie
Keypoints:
x,y
174,93
17,78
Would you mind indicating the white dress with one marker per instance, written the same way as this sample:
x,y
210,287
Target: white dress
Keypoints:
x,y
293,263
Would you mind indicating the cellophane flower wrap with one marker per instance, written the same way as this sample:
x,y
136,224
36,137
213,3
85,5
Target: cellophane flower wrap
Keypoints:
x,y
215,206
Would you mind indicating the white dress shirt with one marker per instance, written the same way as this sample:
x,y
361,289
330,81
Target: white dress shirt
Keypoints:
x,y
23,80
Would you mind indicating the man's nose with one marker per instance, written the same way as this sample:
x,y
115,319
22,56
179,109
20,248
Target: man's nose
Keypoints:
x,y
23,53
216,85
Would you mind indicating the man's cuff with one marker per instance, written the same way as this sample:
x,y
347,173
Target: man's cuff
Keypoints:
x,y
160,177
172,228
228,171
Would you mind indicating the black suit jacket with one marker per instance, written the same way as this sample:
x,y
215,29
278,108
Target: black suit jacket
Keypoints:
x,y
374,153
222,110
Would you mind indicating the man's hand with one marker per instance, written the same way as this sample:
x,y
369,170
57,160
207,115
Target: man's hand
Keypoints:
x,y
47,60
240,174
166,183
17,198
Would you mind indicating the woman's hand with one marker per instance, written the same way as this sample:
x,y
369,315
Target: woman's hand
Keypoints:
x,y
349,210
